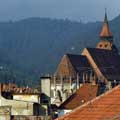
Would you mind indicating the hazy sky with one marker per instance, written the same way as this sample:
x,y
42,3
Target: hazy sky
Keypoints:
x,y
85,10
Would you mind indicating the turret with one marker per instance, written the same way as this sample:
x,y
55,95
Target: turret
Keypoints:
x,y
106,37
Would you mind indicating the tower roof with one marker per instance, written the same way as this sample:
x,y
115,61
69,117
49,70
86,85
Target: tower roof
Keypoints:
x,y
105,33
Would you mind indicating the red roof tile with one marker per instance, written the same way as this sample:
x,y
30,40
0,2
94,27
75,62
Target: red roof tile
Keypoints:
x,y
14,89
85,93
103,107
117,117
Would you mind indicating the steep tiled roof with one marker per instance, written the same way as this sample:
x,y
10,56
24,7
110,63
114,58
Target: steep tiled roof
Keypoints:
x,y
107,61
82,95
79,62
71,64
117,117
103,107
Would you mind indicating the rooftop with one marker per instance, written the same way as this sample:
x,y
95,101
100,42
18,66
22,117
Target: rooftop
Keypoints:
x,y
82,95
103,107
107,61
14,89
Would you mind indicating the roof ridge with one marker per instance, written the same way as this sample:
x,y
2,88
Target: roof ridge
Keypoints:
x,y
91,101
72,54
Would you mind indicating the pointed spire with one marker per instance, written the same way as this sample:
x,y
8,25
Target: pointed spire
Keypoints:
x,y
105,19
105,33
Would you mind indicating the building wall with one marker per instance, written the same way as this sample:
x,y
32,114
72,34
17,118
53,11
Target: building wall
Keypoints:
x,y
65,91
45,86
50,87
31,118
5,112
18,107
29,98
104,45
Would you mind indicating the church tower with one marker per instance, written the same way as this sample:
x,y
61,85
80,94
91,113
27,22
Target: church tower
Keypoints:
x,y
106,37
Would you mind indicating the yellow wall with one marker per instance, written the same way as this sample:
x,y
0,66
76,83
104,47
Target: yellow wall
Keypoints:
x,y
17,107
5,112
30,98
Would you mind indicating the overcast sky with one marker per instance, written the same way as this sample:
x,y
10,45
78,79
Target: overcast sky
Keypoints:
x,y
85,10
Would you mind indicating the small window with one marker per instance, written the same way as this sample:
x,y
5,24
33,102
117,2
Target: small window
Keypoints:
x,y
106,45
100,45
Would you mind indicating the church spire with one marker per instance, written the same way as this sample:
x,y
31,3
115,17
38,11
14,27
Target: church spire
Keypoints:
x,y
106,38
105,33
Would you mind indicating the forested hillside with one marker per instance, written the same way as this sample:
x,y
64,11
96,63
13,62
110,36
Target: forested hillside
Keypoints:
x,y
32,47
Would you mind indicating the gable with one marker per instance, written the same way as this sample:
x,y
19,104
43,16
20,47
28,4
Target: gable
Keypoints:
x,y
71,65
65,68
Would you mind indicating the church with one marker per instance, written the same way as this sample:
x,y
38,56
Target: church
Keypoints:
x,y
99,65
